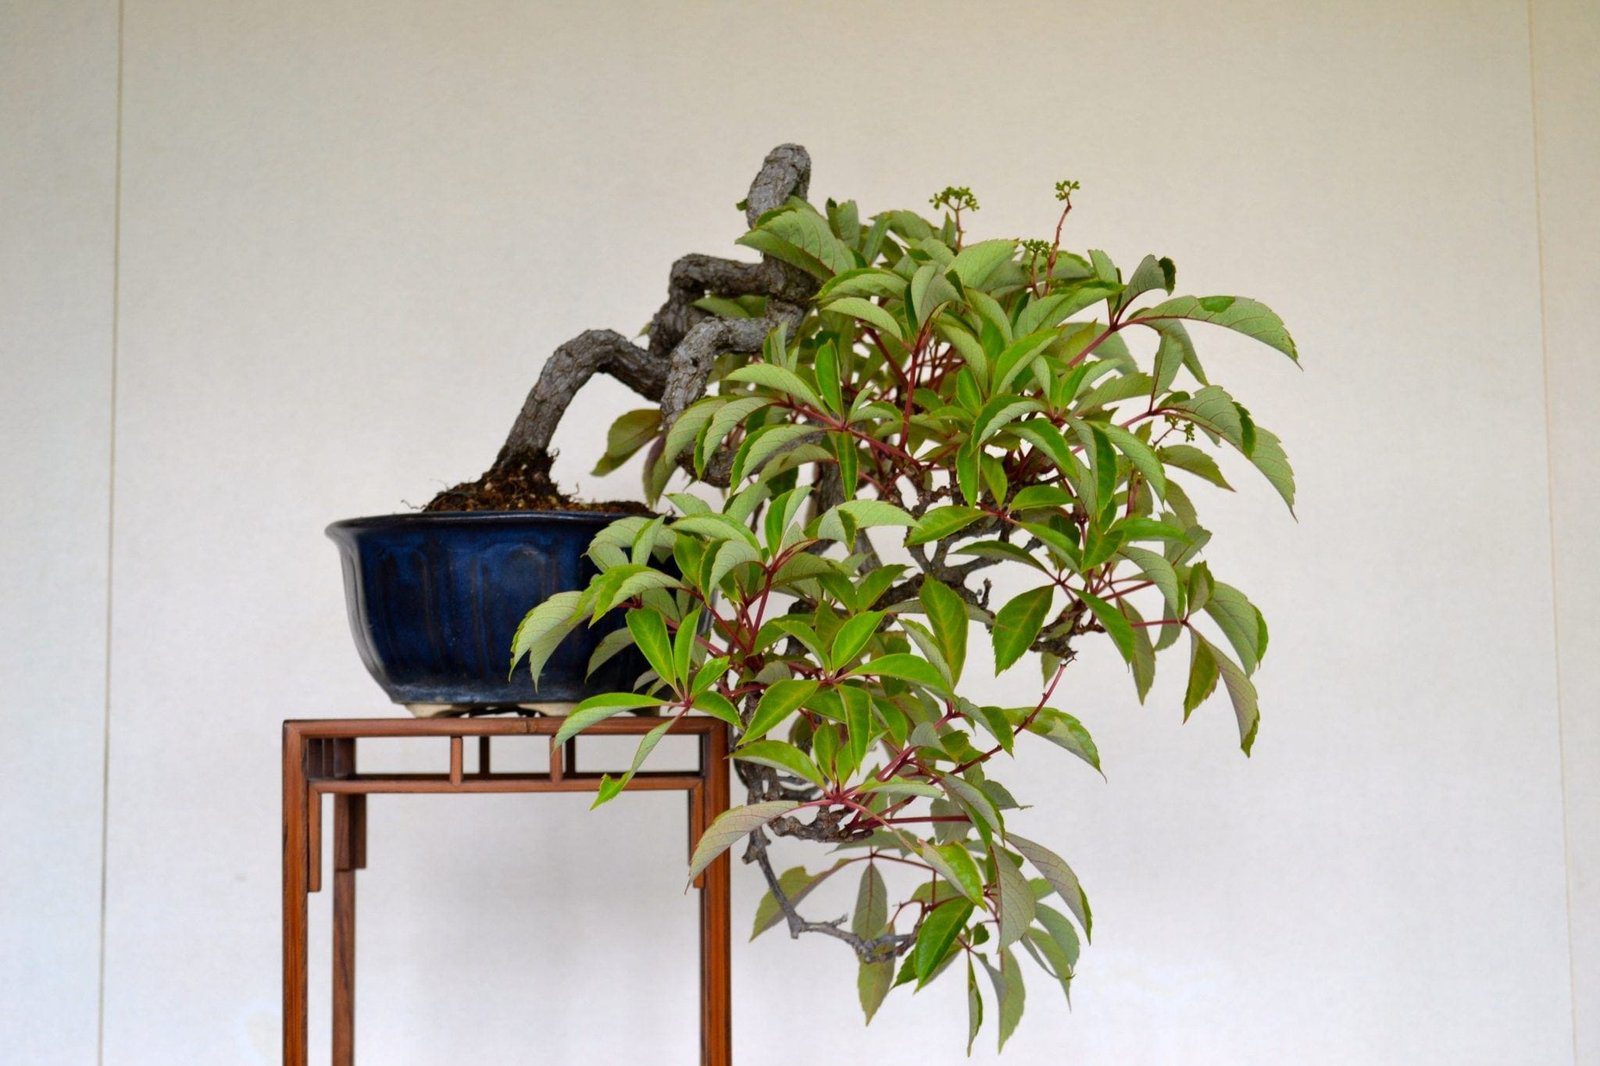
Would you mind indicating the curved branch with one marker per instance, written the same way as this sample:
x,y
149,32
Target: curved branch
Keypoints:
x,y
684,342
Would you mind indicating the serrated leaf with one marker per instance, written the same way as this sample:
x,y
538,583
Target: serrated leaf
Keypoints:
x,y
873,981
935,936
1011,993
610,787
1155,566
650,634
1237,313
1065,731
732,826
1116,626
974,263
870,313
1239,621
598,708
1202,675
957,866
1242,694
778,702
780,756
906,667
1055,870
1017,625
542,630
942,522
947,616
1016,899
778,379
871,915
1270,458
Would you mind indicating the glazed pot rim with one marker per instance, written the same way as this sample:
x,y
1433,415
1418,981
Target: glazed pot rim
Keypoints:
x,y
475,518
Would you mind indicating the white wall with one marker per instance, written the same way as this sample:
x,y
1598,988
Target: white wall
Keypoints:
x,y
348,234
58,118
1566,81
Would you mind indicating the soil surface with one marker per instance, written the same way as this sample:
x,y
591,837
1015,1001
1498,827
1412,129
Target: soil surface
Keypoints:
x,y
521,483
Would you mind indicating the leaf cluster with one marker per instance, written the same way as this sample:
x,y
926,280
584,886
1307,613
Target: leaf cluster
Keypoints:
x,y
944,410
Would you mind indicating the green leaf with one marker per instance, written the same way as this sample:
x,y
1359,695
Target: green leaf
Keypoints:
x,y
935,936
903,786
1009,989
1000,412
853,637
1116,626
871,915
719,707
957,866
979,806
781,699
1016,899
1155,566
778,379
780,756
863,281
1017,625
630,432
1213,409
1151,273
1270,458
1202,675
732,826
1191,459
541,630
974,1008
873,982
723,422
688,426
942,522
597,708
1239,621
829,384
1035,497
870,313
803,230
858,726
906,667
1242,694
974,263
611,787
1233,312
1140,455
947,616
1065,731
650,634
627,581
1055,870
766,442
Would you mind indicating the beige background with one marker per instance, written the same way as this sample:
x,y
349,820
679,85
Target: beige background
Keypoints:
x,y
267,265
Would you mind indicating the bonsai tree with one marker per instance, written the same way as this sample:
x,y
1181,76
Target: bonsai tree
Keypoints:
x,y
891,413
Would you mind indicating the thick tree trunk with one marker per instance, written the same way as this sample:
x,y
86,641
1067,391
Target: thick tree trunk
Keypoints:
x,y
684,344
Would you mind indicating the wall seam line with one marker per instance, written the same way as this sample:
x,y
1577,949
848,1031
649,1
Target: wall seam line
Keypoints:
x,y
1550,498
111,525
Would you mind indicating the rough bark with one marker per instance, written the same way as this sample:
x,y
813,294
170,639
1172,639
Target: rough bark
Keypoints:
x,y
675,364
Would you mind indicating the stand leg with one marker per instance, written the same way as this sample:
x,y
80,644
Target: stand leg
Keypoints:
x,y
716,999
349,830
294,899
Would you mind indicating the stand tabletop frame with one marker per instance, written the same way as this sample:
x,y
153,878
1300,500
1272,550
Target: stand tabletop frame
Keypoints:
x,y
320,757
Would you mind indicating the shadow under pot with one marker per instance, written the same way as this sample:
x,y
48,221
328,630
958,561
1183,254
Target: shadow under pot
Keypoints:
x,y
434,600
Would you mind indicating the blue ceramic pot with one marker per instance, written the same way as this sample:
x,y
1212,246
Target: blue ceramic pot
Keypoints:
x,y
434,600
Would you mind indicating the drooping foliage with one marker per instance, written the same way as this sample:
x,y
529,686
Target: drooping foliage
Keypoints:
x,y
943,409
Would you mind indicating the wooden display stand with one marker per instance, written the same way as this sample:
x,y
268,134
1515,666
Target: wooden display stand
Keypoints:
x,y
320,757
